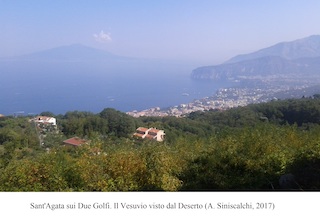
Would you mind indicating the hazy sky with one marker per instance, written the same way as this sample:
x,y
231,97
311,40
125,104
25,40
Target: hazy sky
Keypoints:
x,y
201,30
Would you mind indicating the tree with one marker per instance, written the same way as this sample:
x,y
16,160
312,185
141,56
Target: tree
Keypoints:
x,y
119,124
47,113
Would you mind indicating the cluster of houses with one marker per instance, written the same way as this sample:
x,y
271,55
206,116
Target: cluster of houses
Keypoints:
x,y
44,123
141,132
47,123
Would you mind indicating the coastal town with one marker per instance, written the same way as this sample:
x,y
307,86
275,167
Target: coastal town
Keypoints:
x,y
226,98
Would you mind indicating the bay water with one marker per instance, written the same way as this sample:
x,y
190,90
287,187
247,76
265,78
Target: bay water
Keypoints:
x,y
58,87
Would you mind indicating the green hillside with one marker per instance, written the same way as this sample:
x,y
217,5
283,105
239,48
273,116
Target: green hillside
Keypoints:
x,y
269,146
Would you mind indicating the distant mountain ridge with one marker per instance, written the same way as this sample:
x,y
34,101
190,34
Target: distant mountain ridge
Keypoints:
x,y
301,48
299,58
257,67
74,52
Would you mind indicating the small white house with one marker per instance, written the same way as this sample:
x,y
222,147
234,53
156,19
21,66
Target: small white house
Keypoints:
x,y
45,120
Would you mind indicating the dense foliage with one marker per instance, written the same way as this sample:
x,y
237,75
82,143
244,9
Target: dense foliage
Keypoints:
x,y
109,121
270,146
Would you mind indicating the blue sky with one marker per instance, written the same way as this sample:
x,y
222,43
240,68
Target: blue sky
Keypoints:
x,y
208,31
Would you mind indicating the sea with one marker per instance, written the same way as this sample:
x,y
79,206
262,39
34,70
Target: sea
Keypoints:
x,y
29,88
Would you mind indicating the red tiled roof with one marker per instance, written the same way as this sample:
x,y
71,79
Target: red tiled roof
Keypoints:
x,y
75,141
153,130
44,118
138,134
142,129
149,136
149,133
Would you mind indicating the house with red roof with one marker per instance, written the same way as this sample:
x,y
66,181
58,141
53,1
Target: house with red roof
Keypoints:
x,y
74,141
150,133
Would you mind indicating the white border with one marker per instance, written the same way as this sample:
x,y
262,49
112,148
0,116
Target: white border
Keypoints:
x,y
181,203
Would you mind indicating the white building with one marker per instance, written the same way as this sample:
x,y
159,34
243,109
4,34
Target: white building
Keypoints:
x,y
45,120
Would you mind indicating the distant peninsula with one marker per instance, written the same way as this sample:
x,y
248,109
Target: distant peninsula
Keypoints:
x,y
296,61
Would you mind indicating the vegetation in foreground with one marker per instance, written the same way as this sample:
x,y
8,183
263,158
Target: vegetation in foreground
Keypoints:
x,y
270,146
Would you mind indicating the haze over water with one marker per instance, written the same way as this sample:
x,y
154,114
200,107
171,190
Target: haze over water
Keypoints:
x,y
62,87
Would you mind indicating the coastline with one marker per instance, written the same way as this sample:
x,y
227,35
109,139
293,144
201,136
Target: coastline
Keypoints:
x,y
227,98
